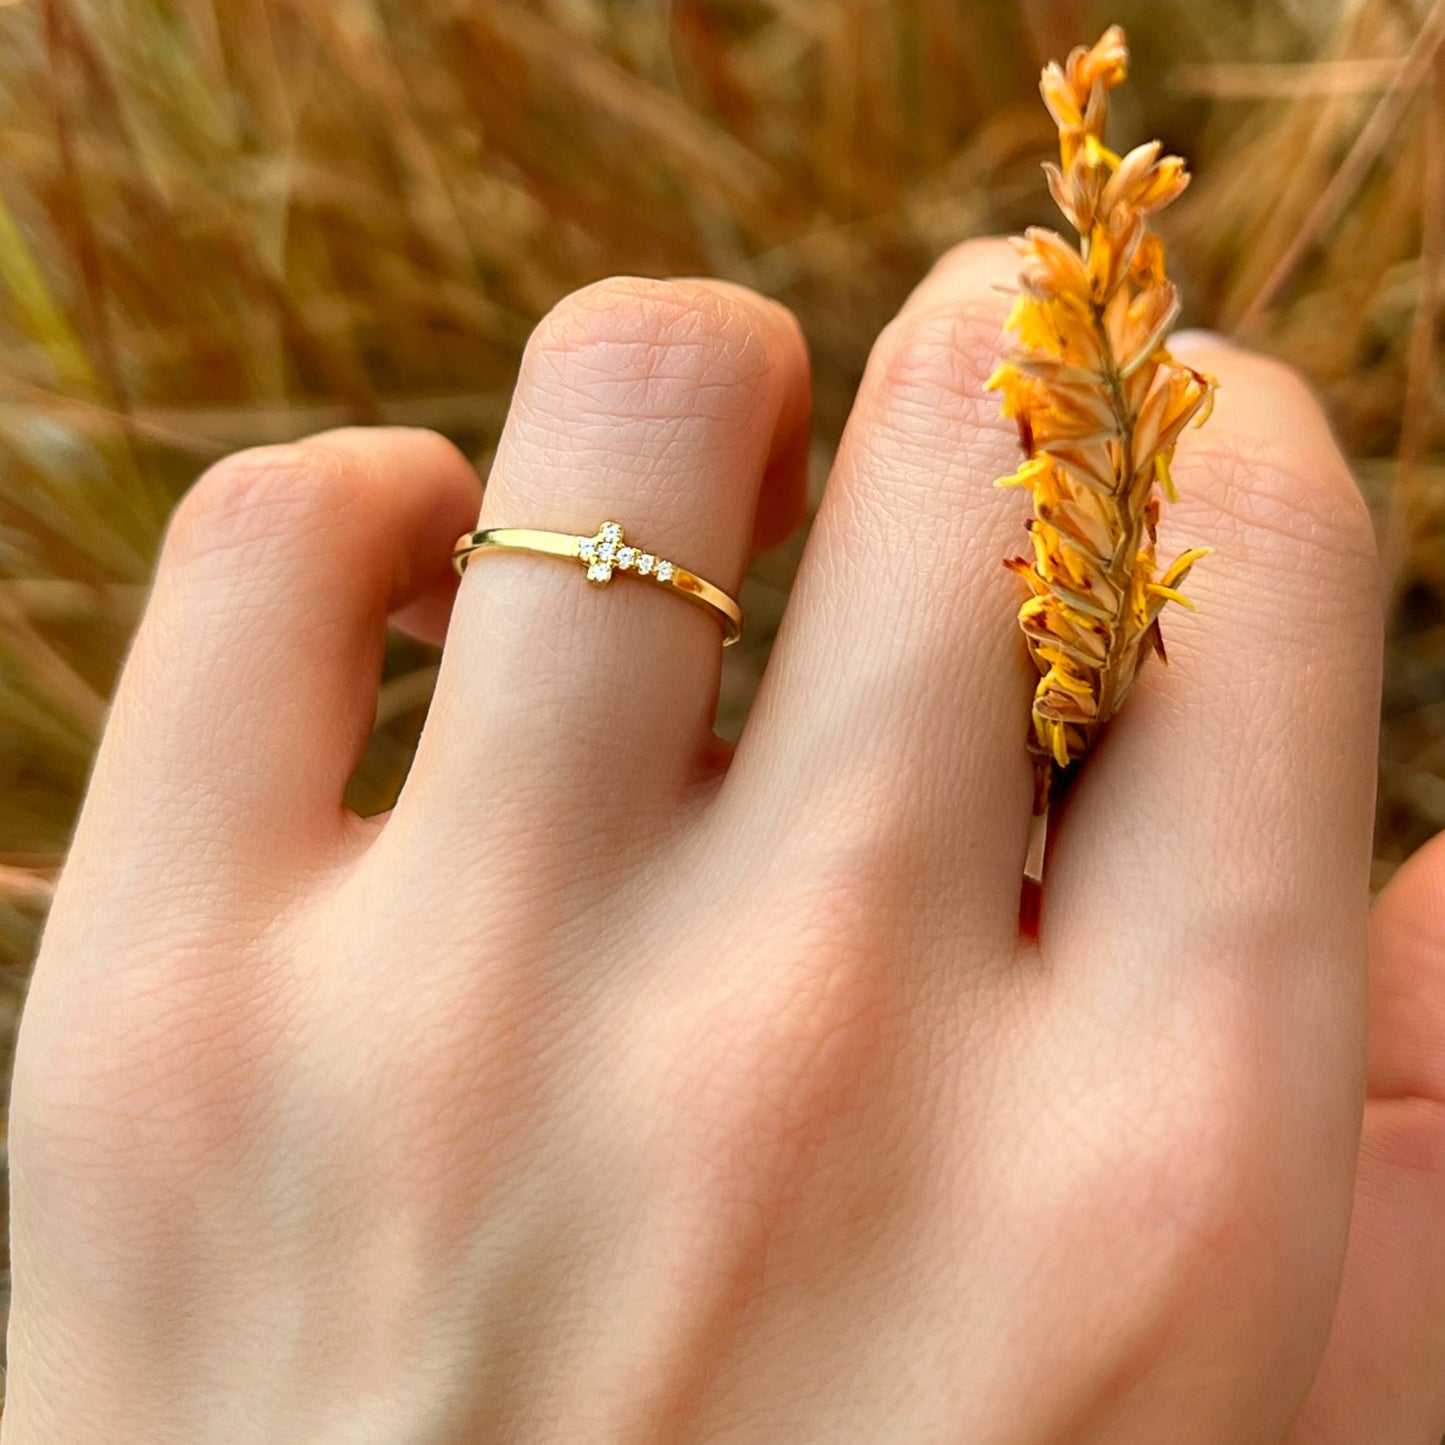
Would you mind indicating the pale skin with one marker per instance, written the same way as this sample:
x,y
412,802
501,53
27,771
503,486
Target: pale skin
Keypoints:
x,y
614,1088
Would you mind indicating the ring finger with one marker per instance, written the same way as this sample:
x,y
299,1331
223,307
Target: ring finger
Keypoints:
x,y
678,409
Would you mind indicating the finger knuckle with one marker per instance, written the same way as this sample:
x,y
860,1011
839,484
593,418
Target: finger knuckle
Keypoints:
x,y
977,257
930,367
261,498
638,348
1285,384
1308,504
1291,480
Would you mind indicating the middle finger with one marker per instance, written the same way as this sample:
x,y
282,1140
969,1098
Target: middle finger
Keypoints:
x,y
897,696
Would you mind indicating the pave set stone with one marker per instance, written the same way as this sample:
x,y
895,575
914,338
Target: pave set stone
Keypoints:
x,y
608,551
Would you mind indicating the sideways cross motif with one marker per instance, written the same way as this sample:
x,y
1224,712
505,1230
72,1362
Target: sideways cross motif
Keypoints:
x,y
608,550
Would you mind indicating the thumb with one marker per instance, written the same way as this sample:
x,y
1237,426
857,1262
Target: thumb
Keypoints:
x,y
1383,1376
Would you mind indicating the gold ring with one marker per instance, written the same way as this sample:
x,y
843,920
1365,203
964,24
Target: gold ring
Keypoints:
x,y
607,551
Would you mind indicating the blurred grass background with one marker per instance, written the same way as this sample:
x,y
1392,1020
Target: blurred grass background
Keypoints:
x,y
225,222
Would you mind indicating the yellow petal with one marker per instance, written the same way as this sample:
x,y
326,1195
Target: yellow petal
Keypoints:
x,y
1157,589
1070,682
1181,565
1166,477
1000,377
1060,743
1027,475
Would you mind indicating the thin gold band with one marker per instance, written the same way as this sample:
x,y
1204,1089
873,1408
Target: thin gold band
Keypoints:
x,y
603,554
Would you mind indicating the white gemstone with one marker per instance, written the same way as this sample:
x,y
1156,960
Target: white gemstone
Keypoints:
x,y
599,572
664,571
626,556
607,551
646,563
611,532
587,549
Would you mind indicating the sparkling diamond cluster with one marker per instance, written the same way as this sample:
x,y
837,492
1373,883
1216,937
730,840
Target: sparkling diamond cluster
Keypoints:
x,y
608,551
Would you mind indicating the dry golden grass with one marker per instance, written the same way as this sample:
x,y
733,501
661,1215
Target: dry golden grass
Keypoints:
x,y
225,222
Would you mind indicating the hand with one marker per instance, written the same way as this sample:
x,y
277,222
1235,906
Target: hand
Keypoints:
x,y
613,1089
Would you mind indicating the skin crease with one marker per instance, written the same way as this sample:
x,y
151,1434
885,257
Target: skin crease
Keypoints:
x,y
613,1090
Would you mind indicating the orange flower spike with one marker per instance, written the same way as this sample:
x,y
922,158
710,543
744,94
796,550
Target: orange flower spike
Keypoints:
x,y
1100,406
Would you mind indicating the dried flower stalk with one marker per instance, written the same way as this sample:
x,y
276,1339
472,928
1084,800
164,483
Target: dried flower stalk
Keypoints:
x,y
1100,406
